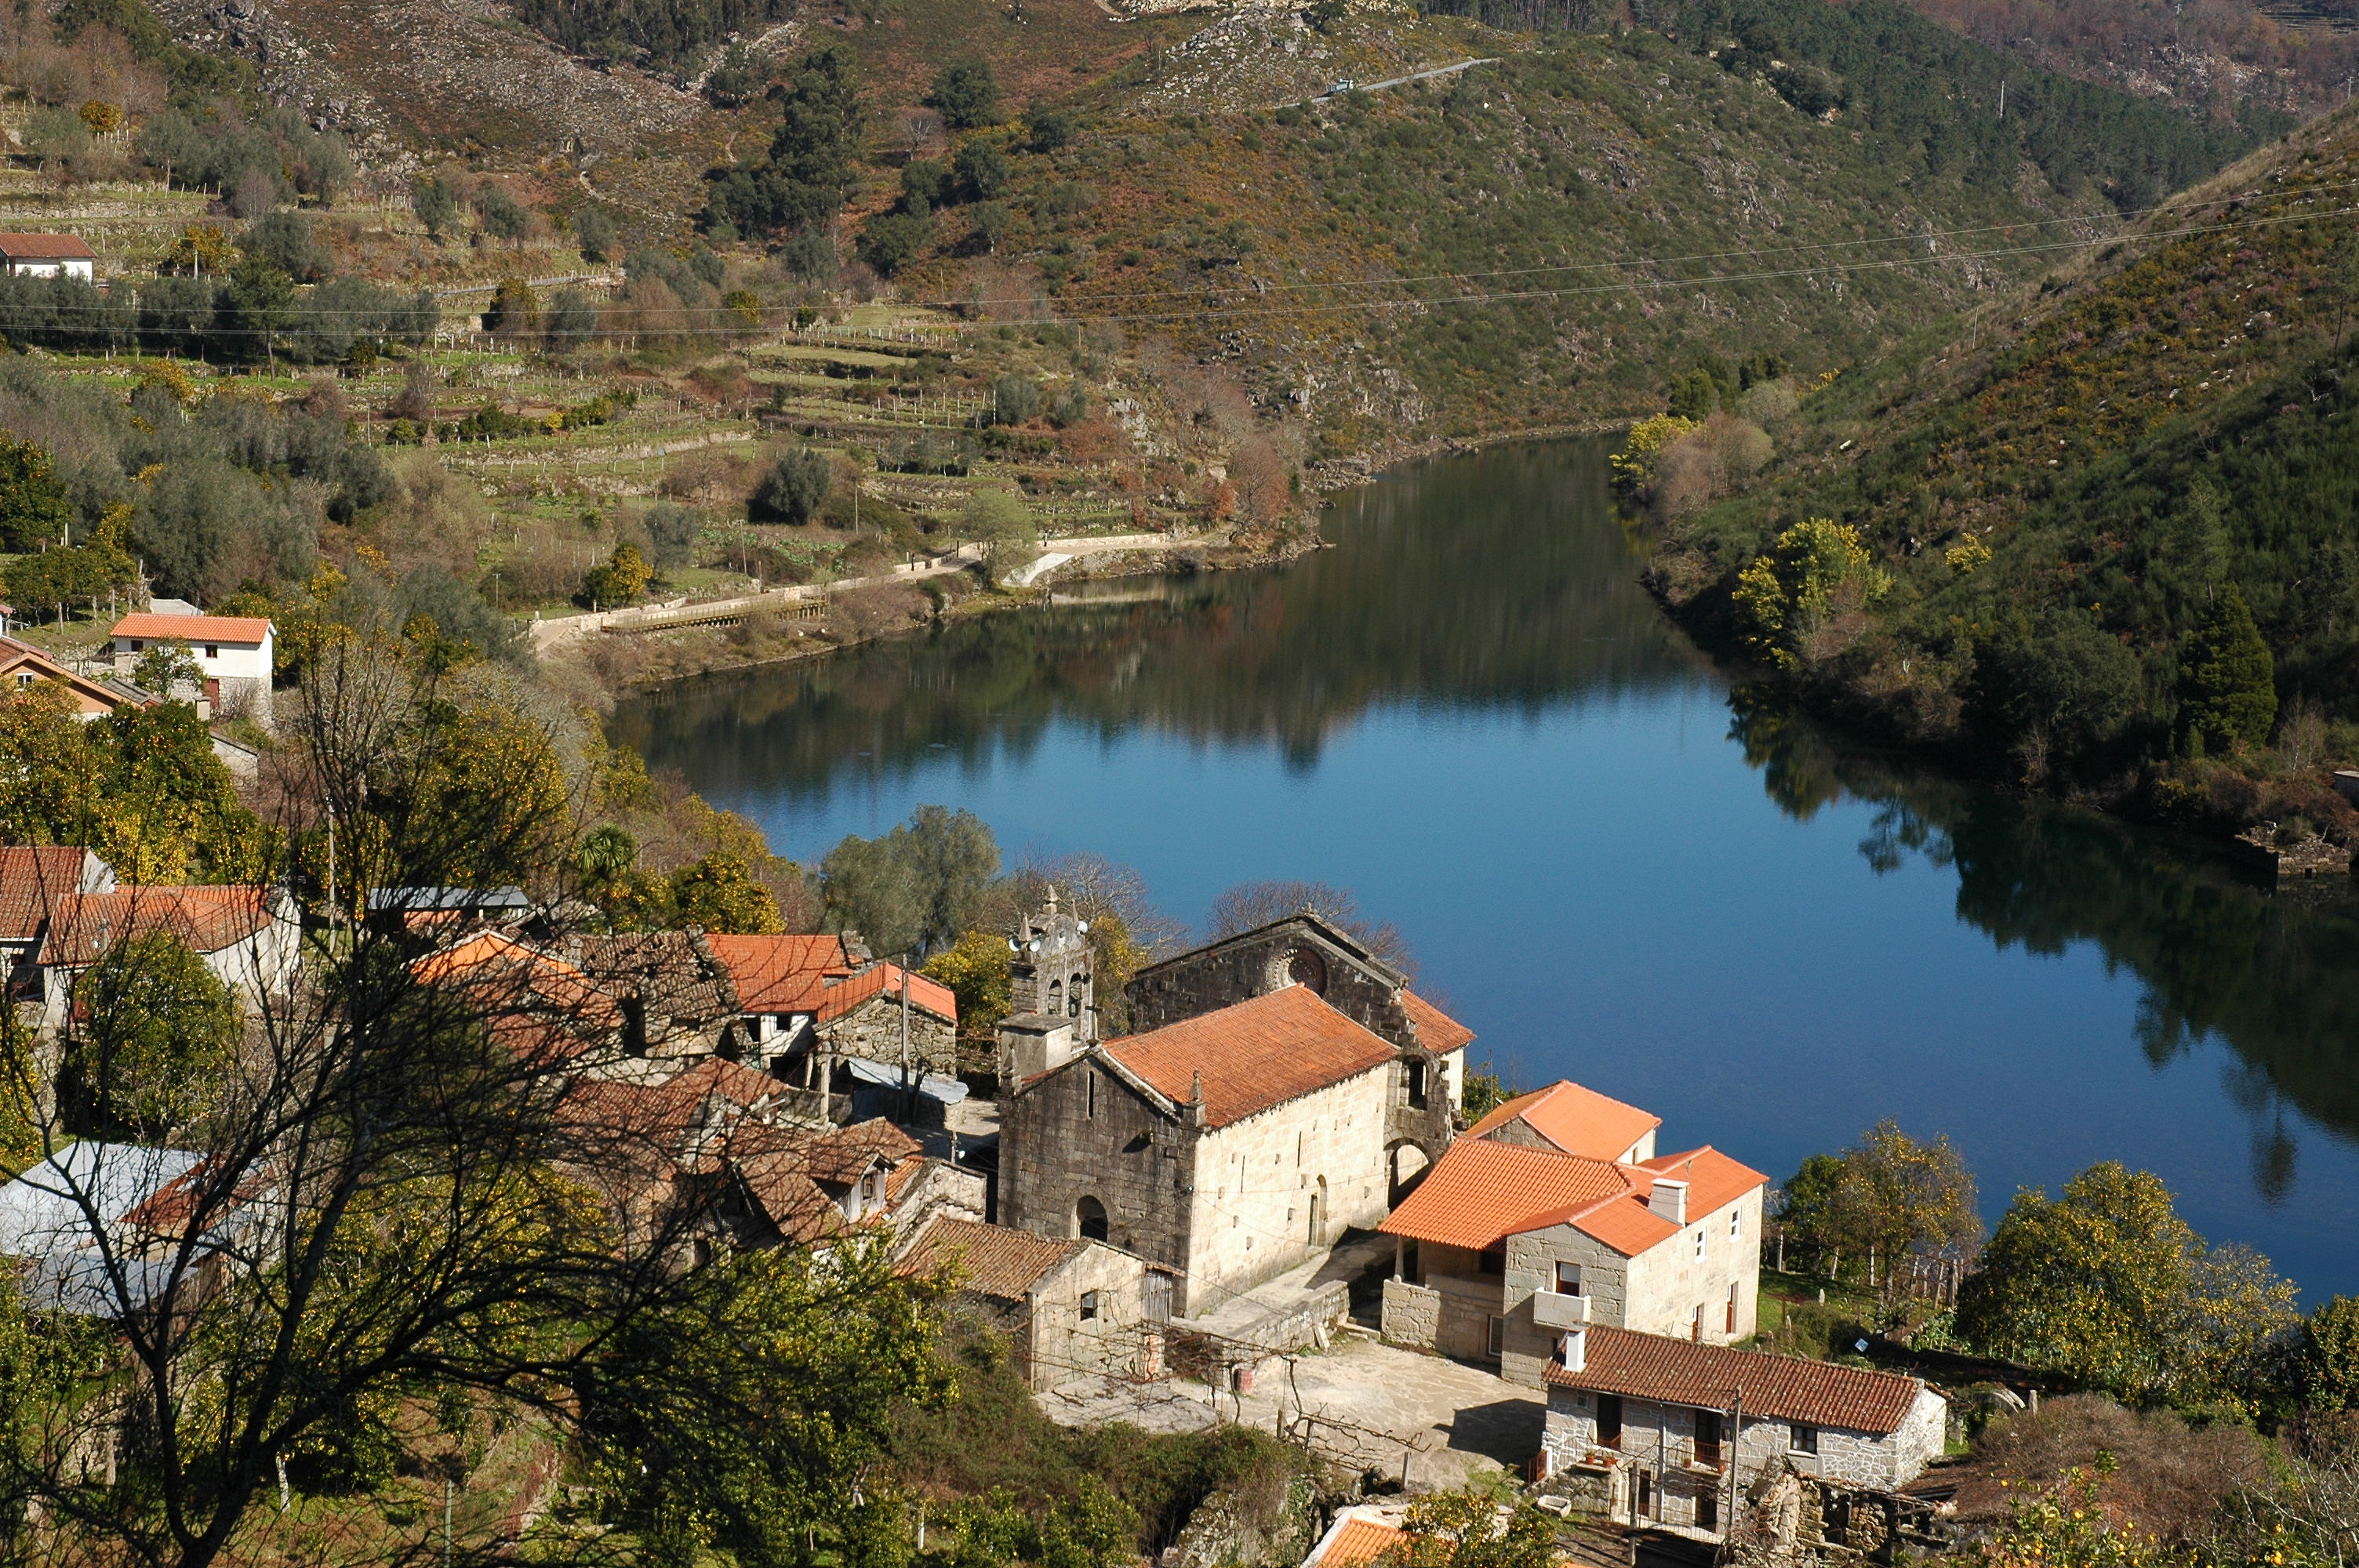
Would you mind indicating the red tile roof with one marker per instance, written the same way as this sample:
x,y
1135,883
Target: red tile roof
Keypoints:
x,y
249,629
1714,1376
203,919
1626,1225
989,1260
35,881
772,973
843,1157
1362,1540
500,974
837,997
1576,1119
1436,1030
1253,1055
1714,1179
1480,1193
46,247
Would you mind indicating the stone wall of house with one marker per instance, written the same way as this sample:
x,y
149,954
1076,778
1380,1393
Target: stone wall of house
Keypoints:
x,y
1531,1265
1270,960
1272,1188
1064,1344
1668,1280
1084,1132
873,1029
1412,1314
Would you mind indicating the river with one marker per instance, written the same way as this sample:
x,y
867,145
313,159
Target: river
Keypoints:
x,y
1469,714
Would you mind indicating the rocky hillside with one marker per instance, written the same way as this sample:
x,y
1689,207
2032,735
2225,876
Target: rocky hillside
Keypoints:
x,y
2079,514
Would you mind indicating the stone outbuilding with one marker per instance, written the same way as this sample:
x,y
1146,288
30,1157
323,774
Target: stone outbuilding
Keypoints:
x,y
1070,1308
806,1004
1554,1212
1651,1430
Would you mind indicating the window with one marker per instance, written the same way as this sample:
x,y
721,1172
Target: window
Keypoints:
x,y
1802,1438
1695,1329
1493,1259
213,650
1707,1511
1089,1306
24,680
1494,1343
1568,1279
1090,1219
1416,1085
137,644
1732,1307
1609,1419
1700,1235
1092,1078
1056,997
1736,1225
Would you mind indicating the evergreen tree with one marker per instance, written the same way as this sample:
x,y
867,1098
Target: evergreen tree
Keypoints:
x,y
967,95
34,511
810,170
2227,681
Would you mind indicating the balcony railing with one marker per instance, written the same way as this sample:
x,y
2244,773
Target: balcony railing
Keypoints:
x,y
1672,1453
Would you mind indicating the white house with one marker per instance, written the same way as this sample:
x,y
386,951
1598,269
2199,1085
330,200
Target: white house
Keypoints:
x,y
250,937
49,255
235,653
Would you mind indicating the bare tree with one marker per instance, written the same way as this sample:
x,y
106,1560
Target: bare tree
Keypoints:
x,y
1249,904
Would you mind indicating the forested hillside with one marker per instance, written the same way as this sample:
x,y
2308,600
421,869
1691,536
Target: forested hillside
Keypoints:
x,y
2101,537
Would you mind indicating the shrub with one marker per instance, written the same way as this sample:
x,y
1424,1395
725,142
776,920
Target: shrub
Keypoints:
x,y
1014,399
794,489
982,172
892,240
620,579
967,95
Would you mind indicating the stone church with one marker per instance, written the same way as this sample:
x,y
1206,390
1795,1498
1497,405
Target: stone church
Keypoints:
x,y
1281,1086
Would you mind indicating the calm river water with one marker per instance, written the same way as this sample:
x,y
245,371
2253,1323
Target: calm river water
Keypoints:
x,y
1469,714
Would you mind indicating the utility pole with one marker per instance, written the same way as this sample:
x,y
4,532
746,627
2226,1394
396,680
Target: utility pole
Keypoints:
x,y
909,1088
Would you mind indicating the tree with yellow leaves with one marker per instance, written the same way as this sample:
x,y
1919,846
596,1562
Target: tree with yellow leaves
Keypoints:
x,y
1816,569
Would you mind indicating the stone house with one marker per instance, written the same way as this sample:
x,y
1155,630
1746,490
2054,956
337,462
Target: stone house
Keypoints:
x,y
676,998
1229,1145
1514,1237
805,1003
36,883
250,937
1071,1308
1646,1430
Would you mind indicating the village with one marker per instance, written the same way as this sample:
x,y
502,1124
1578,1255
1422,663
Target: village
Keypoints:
x,y
1268,1202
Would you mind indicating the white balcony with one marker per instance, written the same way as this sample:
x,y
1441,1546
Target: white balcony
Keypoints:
x,y
1551,1310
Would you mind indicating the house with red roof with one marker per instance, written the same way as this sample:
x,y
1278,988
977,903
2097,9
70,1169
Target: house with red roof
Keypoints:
x,y
807,1004
1554,1212
1667,1434
1068,1307
1280,1082
250,937
235,653
47,255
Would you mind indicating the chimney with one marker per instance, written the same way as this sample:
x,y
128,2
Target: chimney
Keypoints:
x,y
1576,1349
1670,1200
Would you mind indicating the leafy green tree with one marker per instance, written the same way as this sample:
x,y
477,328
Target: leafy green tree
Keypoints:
x,y
621,579
891,241
2227,680
169,809
716,893
737,79
1050,129
34,511
164,666
1466,1529
285,240
512,313
913,889
967,94
2055,687
1816,569
253,307
2327,1363
980,171
813,166
503,217
672,533
435,203
925,182
156,1034
2107,1284
1812,1213
998,520
1693,396
1898,1197
975,968
1014,399
794,488
571,321
594,232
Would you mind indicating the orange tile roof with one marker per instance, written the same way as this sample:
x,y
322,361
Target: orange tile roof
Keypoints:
x,y
841,1157
1714,1181
1481,1192
1626,1225
203,919
989,1260
1576,1119
46,247
195,628
1714,1376
772,973
837,997
1251,1055
1436,1030
35,881
502,973
1362,1540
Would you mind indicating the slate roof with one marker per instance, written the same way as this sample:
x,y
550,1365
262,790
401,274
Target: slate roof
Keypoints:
x,y
1481,1192
1436,1030
989,1260
246,629
1576,1119
1251,1055
673,974
1714,1376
